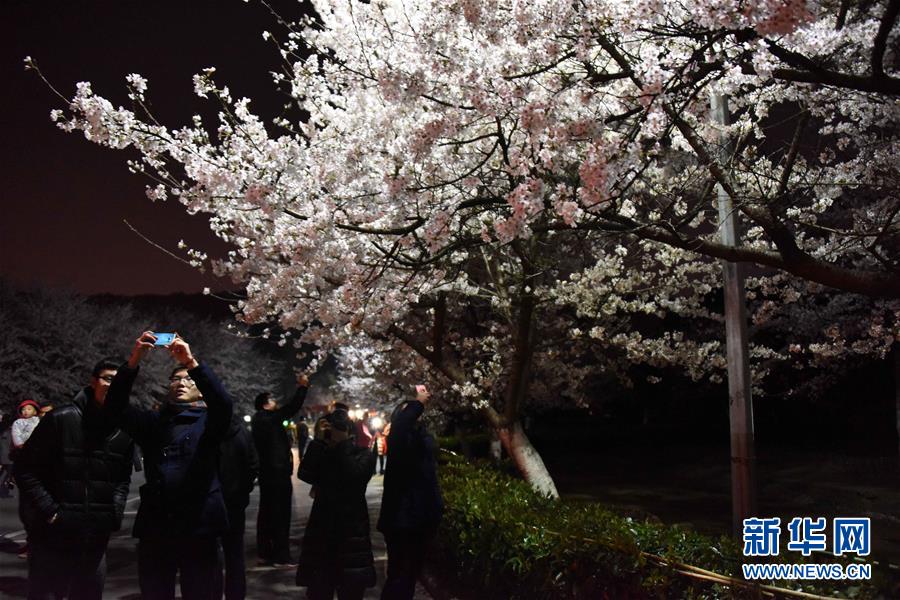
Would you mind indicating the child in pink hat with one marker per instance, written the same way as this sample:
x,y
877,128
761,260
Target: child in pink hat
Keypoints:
x,y
25,424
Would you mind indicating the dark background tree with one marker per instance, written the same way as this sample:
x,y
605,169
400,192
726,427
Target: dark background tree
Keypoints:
x,y
53,339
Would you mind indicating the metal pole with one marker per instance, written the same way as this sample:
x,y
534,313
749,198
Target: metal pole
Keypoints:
x,y
743,456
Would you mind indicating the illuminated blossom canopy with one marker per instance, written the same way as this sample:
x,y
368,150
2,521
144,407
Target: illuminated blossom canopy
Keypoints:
x,y
466,149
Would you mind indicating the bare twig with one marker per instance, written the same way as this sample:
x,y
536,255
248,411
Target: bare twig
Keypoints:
x,y
155,245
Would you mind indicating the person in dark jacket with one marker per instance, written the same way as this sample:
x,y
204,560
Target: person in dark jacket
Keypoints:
x,y
238,468
73,474
182,511
5,457
276,465
336,552
411,507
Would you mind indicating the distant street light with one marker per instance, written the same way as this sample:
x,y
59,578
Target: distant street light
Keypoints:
x,y
247,418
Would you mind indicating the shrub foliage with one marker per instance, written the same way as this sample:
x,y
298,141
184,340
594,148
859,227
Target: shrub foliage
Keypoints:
x,y
502,537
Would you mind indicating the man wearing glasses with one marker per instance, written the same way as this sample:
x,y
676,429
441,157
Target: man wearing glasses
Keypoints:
x,y
182,511
74,474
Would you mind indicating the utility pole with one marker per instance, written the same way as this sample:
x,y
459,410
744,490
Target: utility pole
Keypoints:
x,y
740,403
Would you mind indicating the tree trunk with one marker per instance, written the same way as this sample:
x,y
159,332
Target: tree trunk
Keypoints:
x,y
527,459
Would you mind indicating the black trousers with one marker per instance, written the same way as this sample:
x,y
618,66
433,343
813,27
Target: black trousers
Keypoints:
x,y
234,584
273,522
194,559
75,573
381,458
326,591
406,556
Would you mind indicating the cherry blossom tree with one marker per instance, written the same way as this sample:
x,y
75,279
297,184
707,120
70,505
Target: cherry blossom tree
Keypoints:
x,y
450,153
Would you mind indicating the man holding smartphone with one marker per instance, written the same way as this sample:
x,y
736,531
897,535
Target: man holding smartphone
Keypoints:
x,y
182,511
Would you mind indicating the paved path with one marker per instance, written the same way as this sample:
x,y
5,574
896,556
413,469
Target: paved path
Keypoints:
x,y
121,580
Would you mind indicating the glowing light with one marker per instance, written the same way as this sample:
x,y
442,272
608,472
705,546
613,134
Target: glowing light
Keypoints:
x,y
246,418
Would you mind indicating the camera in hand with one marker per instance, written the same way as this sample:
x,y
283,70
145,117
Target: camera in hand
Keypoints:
x,y
338,420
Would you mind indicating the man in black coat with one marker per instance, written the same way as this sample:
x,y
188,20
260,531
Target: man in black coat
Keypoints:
x,y
276,465
182,512
411,507
74,473
238,468
336,552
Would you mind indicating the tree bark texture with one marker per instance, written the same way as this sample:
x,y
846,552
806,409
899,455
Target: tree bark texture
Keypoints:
x,y
527,460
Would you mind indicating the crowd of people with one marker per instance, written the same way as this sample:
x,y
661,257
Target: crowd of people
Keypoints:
x,y
73,468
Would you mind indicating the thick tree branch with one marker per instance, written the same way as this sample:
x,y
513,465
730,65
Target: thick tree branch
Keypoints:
x,y
792,155
886,85
880,44
805,70
842,15
417,222
870,283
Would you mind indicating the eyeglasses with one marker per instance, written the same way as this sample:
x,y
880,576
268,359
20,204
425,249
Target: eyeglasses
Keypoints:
x,y
107,378
176,380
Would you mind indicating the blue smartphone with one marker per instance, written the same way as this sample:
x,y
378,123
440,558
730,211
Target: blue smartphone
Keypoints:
x,y
164,339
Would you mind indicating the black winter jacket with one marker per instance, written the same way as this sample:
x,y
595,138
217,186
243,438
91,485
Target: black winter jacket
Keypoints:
x,y
412,497
183,495
238,466
336,546
76,465
272,442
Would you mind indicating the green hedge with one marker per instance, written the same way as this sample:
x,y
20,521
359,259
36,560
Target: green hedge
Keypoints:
x,y
478,444
499,535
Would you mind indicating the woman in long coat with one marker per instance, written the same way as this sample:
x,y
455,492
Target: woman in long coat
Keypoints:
x,y
336,552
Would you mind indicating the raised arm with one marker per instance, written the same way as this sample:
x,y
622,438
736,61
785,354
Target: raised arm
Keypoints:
x,y
290,409
402,424
136,422
218,402
404,420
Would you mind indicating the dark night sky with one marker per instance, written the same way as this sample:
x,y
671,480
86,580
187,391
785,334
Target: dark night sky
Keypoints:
x,y
63,199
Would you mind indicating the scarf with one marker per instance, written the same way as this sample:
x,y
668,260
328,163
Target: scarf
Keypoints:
x,y
177,407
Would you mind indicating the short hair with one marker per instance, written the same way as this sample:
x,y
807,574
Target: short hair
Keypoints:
x,y
177,369
262,399
106,364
